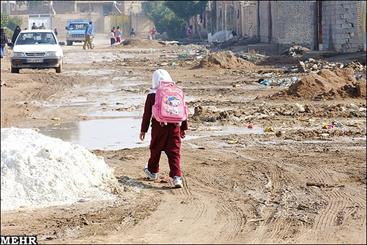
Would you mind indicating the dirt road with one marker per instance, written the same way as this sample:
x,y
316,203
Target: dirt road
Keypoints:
x,y
284,180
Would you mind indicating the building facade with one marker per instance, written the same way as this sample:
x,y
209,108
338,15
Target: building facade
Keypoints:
x,y
319,25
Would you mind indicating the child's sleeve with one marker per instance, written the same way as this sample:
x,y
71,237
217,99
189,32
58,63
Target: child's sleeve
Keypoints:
x,y
147,113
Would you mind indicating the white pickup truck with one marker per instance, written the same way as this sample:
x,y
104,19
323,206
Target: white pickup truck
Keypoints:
x,y
36,49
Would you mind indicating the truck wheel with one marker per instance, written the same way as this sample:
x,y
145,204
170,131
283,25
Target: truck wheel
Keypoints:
x,y
69,43
14,70
59,68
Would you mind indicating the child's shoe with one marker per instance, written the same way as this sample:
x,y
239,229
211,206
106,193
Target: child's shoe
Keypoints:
x,y
151,176
177,181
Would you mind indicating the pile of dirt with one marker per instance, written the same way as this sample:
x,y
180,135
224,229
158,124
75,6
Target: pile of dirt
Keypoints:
x,y
328,84
141,43
226,60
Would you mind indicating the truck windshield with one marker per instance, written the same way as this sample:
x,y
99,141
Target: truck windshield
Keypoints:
x,y
77,26
35,38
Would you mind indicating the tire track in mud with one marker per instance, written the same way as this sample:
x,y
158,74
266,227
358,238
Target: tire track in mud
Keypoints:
x,y
271,228
230,218
338,200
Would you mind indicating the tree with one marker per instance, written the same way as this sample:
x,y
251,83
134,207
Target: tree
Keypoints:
x,y
9,23
164,19
4,20
187,9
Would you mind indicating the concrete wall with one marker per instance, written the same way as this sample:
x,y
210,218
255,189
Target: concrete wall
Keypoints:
x,y
246,18
342,26
287,22
293,22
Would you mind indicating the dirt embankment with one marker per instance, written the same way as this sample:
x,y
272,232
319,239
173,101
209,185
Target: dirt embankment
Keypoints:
x,y
141,43
327,84
226,60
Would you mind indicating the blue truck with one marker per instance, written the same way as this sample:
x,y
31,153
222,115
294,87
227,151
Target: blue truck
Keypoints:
x,y
75,30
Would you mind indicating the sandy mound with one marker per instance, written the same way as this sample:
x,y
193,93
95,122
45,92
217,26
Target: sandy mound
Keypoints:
x,y
141,43
225,60
326,83
40,171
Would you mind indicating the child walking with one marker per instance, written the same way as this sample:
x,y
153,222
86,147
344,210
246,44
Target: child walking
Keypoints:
x,y
164,136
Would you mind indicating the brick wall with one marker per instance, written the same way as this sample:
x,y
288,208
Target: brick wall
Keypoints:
x,y
342,29
291,22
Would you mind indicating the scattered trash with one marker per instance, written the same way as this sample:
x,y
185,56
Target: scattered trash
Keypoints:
x,y
327,126
285,82
268,129
300,107
169,42
317,65
252,56
296,50
220,36
266,82
333,124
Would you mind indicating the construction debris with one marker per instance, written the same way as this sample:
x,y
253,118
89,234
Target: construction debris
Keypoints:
x,y
296,50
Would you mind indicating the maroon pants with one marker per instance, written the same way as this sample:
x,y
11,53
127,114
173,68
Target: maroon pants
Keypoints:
x,y
165,138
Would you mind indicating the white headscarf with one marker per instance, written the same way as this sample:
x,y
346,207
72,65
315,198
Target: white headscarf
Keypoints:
x,y
159,75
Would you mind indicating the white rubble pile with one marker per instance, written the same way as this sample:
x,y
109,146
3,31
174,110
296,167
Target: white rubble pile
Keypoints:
x,y
40,171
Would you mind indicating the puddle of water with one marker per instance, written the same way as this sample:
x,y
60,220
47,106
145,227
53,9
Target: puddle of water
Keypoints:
x,y
91,72
83,57
118,133
114,114
104,134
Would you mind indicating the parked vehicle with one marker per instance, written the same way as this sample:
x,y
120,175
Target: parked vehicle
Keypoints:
x,y
36,49
75,31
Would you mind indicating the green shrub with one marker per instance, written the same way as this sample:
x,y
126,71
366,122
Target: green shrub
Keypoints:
x,y
9,23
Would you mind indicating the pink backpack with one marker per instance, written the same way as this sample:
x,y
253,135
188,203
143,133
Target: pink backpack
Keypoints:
x,y
169,106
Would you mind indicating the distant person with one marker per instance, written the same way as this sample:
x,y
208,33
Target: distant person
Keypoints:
x,y
189,31
4,41
88,36
55,31
152,33
132,32
118,35
112,36
34,27
16,32
42,27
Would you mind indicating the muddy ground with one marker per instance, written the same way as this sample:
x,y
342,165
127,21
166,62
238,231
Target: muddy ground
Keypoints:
x,y
256,168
